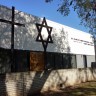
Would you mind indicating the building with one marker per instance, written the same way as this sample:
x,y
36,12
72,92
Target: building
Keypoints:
x,y
71,48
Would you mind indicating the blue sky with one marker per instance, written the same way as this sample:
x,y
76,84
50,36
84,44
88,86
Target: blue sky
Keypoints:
x,y
48,10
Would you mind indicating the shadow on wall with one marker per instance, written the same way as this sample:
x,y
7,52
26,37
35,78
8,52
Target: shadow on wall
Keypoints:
x,y
5,38
60,40
5,29
40,78
24,37
38,82
3,91
5,56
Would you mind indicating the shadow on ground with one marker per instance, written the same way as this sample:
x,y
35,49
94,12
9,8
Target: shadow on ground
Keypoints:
x,y
84,89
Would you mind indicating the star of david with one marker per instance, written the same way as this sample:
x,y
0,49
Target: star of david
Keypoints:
x,y
40,38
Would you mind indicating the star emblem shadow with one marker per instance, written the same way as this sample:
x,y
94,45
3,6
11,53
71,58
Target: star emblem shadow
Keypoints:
x,y
40,37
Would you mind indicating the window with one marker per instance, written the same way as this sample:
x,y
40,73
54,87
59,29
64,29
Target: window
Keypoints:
x,y
66,61
5,58
36,61
50,61
21,63
61,61
58,61
85,61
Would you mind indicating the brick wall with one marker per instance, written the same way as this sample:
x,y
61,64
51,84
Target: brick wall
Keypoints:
x,y
26,83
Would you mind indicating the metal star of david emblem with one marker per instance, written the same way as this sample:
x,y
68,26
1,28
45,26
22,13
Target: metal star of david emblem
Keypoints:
x,y
40,37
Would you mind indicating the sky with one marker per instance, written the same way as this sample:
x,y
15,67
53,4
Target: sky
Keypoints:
x,y
48,10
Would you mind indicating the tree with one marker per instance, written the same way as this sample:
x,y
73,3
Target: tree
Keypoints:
x,y
86,10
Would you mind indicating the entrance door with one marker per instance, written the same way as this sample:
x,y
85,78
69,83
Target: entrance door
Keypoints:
x,y
36,61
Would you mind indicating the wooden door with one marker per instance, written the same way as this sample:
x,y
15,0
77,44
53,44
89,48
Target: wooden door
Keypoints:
x,y
36,61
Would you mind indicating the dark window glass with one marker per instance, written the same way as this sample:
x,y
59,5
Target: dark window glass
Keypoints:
x,y
34,61
5,58
66,61
50,61
85,61
69,61
61,61
21,61
58,61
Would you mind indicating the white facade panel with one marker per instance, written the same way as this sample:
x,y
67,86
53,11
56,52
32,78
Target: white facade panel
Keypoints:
x,y
65,39
90,59
80,62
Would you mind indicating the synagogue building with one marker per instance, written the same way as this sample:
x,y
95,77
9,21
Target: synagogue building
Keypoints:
x,y
25,39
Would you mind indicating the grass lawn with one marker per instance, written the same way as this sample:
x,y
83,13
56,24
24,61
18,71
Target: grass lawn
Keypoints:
x,y
83,89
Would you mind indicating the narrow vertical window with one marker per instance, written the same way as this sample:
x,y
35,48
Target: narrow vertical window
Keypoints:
x,y
85,61
50,61
5,59
58,61
36,61
21,61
